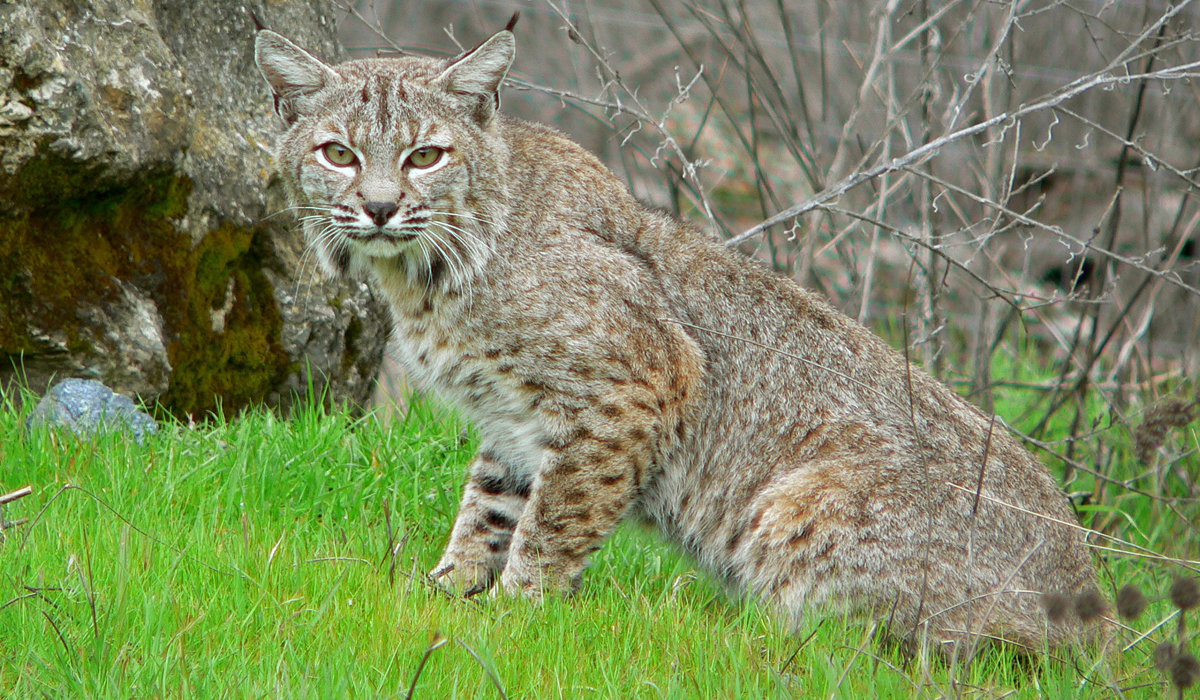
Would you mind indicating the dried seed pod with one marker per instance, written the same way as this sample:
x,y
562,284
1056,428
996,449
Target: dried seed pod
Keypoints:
x,y
1184,670
1090,606
1130,602
1185,594
1057,606
1164,656
1169,413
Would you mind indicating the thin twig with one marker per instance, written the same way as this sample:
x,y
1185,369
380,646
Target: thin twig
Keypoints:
x,y
491,674
14,495
436,641
924,152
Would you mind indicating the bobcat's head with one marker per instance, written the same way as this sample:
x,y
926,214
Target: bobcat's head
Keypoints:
x,y
392,160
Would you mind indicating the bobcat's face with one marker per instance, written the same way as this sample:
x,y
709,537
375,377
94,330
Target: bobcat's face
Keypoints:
x,y
389,158
384,178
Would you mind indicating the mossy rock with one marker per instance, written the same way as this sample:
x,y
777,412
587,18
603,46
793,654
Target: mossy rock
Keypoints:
x,y
137,244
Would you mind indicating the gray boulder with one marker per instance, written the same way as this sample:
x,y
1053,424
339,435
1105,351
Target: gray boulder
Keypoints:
x,y
88,407
139,241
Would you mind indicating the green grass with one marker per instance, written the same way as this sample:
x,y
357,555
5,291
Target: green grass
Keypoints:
x,y
249,558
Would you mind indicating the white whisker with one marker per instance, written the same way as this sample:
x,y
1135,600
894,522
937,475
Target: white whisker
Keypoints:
x,y
327,235
477,248
295,208
469,216
468,235
428,263
447,250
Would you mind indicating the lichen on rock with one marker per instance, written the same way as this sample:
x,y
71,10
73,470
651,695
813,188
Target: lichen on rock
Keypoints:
x,y
88,408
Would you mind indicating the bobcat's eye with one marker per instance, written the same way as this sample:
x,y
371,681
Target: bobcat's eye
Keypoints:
x,y
425,157
339,154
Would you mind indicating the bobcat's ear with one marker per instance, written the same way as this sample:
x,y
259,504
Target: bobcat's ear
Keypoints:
x,y
294,74
477,74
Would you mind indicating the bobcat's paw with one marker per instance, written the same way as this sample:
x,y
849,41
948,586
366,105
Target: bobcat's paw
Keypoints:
x,y
459,576
533,580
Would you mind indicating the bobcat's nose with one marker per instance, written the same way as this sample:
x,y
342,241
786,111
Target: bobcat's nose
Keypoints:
x,y
380,212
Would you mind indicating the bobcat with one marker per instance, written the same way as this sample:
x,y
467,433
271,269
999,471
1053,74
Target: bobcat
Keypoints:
x,y
617,363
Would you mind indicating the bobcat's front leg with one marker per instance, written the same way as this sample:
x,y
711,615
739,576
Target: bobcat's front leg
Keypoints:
x,y
589,479
492,503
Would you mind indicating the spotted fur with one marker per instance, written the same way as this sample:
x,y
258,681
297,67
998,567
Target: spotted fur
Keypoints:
x,y
618,364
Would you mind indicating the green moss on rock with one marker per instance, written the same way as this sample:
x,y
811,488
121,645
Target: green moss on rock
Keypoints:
x,y
63,243
239,365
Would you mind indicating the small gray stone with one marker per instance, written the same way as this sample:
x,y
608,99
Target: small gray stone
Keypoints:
x,y
87,407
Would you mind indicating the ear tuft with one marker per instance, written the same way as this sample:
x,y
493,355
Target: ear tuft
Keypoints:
x,y
478,74
293,74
